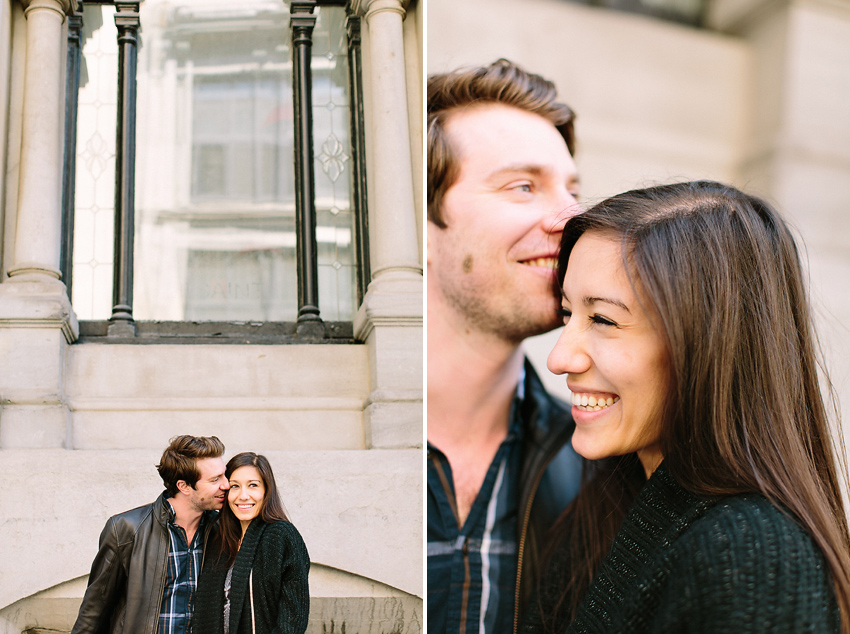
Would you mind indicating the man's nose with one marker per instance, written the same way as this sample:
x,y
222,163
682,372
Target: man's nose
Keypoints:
x,y
565,208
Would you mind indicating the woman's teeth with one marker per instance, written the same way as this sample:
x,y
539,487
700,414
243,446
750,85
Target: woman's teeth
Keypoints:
x,y
591,403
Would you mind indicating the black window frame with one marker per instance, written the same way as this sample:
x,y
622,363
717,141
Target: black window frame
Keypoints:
x,y
309,326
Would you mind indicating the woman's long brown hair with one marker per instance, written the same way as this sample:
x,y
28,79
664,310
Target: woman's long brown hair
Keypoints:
x,y
720,275
271,510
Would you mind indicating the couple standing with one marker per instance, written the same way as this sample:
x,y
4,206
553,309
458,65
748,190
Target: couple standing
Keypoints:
x,y
694,484
215,553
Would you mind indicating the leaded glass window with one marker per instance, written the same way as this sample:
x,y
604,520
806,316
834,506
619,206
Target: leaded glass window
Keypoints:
x,y
215,182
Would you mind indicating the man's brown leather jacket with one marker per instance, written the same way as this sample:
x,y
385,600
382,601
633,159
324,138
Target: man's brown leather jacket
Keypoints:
x,y
127,578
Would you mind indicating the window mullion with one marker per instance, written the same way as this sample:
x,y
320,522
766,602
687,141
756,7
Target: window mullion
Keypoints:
x,y
302,22
72,89
358,157
127,22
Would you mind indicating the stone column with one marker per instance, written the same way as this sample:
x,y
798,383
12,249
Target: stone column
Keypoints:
x,y
393,237
39,200
390,319
36,319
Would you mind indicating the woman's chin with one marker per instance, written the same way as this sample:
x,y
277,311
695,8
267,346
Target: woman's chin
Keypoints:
x,y
587,449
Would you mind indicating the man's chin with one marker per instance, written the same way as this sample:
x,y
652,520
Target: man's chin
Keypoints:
x,y
539,321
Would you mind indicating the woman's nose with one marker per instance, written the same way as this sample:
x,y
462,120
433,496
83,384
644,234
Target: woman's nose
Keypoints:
x,y
569,355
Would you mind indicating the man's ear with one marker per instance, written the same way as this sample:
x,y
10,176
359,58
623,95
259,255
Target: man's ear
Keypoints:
x,y
183,487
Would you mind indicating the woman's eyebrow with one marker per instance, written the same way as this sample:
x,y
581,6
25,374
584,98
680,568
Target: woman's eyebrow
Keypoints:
x,y
589,301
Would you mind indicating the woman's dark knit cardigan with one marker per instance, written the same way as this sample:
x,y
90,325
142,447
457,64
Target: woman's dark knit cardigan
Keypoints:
x,y
681,563
280,563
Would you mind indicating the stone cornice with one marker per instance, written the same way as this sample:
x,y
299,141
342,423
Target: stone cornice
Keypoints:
x,y
63,7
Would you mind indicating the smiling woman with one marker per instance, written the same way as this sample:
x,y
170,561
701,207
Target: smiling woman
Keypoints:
x,y
615,358
714,488
255,580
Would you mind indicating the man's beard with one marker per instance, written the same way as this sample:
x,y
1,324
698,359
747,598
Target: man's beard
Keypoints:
x,y
210,504
509,322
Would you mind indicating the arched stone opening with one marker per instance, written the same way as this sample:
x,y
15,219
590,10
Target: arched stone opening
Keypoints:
x,y
341,602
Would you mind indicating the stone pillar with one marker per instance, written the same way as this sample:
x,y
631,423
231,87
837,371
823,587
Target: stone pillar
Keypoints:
x,y
36,319
39,200
390,319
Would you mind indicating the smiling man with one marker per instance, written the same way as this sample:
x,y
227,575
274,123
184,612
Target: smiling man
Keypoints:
x,y
144,576
501,184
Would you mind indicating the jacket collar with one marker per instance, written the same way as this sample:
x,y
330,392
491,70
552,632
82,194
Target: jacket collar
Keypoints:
x,y
165,513
162,510
543,414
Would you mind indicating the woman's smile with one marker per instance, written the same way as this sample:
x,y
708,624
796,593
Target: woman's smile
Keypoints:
x,y
593,402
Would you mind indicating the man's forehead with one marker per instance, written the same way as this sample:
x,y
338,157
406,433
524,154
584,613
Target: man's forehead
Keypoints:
x,y
484,117
500,136
490,140
210,466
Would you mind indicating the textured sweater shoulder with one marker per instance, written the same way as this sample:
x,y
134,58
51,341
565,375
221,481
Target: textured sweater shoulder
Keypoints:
x,y
681,563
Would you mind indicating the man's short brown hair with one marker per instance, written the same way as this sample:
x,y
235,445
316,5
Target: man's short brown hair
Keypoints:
x,y
179,460
501,82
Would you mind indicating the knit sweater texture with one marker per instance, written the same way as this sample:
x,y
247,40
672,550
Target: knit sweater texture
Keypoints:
x,y
280,563
681,563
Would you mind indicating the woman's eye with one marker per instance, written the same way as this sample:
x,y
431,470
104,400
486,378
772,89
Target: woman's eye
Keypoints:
x,y
565,314
602,321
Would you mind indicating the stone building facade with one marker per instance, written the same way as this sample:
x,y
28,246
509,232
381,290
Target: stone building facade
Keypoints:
x,y
88,400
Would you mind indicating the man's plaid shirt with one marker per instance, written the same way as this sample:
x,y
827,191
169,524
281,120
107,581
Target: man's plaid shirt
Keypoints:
x,y
181,577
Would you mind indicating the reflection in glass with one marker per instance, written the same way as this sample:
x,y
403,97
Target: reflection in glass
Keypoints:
x,y
215,194
95,177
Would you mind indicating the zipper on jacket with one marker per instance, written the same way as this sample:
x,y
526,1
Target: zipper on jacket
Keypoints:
x,y
161,590
521,547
